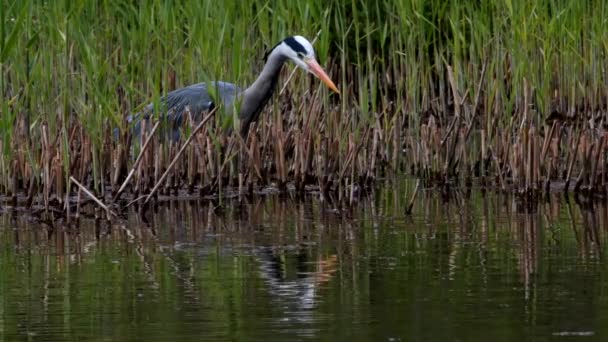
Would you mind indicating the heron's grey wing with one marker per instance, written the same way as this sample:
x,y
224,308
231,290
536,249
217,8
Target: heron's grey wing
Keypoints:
x,y
228,93
195,99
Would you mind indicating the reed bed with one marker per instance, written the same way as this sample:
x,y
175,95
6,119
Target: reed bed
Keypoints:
x,y
510,95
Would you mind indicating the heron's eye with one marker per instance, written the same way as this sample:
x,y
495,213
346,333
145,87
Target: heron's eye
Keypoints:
x,y
301,55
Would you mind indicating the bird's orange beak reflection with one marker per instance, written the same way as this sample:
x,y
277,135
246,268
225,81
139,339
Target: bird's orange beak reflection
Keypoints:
x,y
316,69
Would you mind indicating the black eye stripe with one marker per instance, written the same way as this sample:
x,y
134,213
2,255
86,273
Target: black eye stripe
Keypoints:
x,y
293,43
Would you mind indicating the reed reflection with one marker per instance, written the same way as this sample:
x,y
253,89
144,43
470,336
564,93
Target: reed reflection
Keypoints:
x,y
301,262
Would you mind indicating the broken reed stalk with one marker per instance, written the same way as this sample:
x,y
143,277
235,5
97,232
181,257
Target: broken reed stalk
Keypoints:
x,y
455,128
179,153
573,160
95,199
137,161
353,152
476,103
227,158
410,206
498,169
547,141
250,154
584,172
596,161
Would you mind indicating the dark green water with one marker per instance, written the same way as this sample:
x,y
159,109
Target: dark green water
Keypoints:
x,y
467,269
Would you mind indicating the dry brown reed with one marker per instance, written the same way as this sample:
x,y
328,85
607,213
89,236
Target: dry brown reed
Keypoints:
x,y
321,152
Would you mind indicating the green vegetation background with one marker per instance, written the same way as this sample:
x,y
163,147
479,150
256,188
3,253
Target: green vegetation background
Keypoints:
x,y
97,61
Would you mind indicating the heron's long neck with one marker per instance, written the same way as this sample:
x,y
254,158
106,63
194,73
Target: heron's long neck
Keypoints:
x,y
256,95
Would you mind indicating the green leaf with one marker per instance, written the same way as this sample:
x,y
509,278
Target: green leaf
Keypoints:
x,y
9,44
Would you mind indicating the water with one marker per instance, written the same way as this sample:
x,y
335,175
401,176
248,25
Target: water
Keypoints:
x,y
468,268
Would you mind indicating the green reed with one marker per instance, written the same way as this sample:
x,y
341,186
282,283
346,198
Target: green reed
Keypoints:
x,y
71,72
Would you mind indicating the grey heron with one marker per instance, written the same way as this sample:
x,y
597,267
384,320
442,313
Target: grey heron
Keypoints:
x,y
200,98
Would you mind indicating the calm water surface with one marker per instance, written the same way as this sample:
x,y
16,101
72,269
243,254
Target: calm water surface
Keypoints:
x,y
468,268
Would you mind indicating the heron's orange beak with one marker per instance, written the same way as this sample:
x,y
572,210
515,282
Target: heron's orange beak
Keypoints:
x,y
316,69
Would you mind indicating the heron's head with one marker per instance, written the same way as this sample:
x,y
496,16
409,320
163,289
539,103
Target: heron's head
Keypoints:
x,y
300,51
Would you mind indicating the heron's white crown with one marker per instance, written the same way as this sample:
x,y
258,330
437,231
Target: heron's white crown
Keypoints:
x,y
298,49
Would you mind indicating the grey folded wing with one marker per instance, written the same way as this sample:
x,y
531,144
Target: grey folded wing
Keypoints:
x,y
194,100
